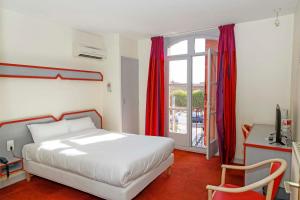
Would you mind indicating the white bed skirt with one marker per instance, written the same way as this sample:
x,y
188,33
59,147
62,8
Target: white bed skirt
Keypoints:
x,y
99,189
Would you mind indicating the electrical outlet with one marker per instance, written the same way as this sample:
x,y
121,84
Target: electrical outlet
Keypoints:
x,y
10,144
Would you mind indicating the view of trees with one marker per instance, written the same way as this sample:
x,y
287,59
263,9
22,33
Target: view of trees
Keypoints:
x,y
198,99
181,98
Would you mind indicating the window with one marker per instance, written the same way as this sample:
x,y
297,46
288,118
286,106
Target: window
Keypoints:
x,y
179,48
186,63
178,96
178,71
199,45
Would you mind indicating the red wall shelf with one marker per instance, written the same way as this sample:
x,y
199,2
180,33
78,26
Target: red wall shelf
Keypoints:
x,y
9,70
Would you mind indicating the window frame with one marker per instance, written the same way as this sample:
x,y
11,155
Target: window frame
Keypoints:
x,y
168,42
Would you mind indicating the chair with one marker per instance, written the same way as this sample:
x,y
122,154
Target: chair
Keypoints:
x,y
233,192
246,128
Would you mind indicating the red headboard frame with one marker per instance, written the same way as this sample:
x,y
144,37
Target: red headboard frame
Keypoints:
x,y
83,111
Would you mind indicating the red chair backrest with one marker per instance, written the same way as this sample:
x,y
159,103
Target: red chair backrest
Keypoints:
x,y
277,180
246,128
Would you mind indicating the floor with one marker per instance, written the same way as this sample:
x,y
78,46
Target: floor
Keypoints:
x,y
190,174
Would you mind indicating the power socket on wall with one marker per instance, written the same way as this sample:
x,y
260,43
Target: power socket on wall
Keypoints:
x,y
10,145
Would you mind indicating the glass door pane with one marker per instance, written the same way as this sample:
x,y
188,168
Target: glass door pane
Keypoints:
x,y
198,86
178,104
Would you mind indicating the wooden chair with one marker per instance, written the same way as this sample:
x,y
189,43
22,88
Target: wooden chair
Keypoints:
x,y
233,192
246,128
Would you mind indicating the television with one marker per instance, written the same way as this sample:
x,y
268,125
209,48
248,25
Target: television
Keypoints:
x,y
278,126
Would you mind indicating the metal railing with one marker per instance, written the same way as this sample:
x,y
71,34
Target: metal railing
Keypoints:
x,y
176,124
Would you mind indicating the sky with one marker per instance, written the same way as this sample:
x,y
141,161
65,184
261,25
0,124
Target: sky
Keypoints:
x,y
178,68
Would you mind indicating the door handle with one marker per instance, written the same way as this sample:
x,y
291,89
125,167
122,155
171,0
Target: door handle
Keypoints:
x,y
288,185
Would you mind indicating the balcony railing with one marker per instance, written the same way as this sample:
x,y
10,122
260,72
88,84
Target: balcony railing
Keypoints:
x,y
178,124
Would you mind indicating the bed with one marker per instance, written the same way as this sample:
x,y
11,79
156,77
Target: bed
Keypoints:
x,y
106,164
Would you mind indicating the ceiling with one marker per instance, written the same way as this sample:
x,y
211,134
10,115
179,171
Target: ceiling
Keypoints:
x,y
140,18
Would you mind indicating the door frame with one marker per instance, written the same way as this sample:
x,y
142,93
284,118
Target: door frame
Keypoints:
x,y
189,57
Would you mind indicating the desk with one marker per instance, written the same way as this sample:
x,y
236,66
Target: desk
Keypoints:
x,y
257,148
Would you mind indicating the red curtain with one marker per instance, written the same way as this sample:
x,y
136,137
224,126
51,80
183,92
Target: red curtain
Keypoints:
x,y
155,105
226,93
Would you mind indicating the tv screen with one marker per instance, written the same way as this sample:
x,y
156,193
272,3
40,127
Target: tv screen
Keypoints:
x,y
278,125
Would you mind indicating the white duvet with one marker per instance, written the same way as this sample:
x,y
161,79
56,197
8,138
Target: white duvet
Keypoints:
x,y
112,158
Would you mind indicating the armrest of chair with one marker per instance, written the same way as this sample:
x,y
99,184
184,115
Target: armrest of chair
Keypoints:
x,y
248,167
235,190
234,167
266,181
237,167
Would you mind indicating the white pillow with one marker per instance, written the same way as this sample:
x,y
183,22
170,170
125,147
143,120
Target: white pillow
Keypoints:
x,y
80,124
42,132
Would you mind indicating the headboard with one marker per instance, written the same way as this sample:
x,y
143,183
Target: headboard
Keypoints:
x,y
17,130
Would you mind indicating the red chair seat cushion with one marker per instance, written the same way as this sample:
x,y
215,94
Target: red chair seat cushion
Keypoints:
x,y
249,195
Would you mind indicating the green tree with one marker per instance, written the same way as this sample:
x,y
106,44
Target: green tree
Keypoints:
x,y
180,98
198,99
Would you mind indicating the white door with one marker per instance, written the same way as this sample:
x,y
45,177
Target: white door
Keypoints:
x,y
211,129
130,95
186,61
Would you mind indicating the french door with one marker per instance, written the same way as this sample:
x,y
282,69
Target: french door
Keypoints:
x,y
190,94
211,126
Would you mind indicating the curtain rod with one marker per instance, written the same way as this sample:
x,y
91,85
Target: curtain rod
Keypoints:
x,y
188,32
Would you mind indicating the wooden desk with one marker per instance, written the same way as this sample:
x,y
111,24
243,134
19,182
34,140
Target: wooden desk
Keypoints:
x,y
258,148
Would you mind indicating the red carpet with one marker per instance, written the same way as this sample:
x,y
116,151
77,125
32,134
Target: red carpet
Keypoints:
x,y
191,173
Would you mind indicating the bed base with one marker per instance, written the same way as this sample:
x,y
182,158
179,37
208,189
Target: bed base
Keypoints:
x,y
99,189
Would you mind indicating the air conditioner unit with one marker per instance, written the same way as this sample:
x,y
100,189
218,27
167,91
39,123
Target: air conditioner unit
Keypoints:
x,y
90,52
88,45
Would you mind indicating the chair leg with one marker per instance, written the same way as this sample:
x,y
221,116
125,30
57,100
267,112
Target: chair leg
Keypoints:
x,y
28,176
169,170
209,194
223,176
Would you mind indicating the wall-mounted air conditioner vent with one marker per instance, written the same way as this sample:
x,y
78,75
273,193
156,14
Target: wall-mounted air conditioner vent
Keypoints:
x,y
91,52
88,45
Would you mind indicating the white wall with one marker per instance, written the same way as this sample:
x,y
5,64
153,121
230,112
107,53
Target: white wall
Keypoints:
x,y
264,59
295,98
128,47
263,67
112,75
33,41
